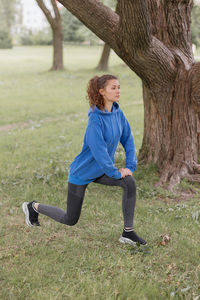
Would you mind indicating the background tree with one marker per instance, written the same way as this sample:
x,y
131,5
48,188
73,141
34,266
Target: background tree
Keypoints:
x,y
103,62
7,18
56,25
40,37
153,38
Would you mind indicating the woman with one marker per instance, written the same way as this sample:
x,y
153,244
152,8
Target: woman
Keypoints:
x,y
107,126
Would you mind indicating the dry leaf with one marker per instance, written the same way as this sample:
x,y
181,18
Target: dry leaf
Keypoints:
x,y
165,239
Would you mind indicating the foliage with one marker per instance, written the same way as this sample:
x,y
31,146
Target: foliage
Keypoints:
x,y
71,27
43,37
7,18
195,27
5,40
7,13
48,114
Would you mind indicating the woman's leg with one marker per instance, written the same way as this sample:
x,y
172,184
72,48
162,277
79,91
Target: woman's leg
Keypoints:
x,y
70,217
128,206
129,196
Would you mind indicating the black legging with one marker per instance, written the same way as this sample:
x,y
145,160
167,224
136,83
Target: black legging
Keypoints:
x,y
75,200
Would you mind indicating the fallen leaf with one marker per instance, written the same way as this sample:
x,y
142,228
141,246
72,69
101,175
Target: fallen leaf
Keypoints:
x,y
165,239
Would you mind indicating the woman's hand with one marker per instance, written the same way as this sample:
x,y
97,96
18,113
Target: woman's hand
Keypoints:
x,y
125,172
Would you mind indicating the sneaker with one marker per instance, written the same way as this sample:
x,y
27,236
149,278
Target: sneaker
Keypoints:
x,y
30,214
131,238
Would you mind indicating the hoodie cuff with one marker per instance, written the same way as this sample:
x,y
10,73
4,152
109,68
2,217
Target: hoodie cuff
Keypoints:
x,y
132,168
118,175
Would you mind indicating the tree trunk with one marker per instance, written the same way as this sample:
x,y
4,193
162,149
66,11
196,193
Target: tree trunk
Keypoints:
x,y
57,50
171,131
103,63
56,26
153,38
171,114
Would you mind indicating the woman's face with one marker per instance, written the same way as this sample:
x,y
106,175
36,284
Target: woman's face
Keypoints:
x,y
111,92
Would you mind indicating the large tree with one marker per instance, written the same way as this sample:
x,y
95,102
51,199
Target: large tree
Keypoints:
x,y
153,38
56,25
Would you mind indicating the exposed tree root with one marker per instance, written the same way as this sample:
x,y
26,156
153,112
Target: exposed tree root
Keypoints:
x,y
172,175
196,167
193,177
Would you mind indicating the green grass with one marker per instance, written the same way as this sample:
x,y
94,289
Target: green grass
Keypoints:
x,y
85,261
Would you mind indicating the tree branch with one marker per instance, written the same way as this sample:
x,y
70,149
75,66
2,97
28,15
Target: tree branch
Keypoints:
x,y
128,33
173,25
158,25
134,25
178,19
56,11
152,60
100,19
47,12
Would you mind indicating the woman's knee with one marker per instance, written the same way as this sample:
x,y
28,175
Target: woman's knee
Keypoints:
x,y
129,183
129,180
70,221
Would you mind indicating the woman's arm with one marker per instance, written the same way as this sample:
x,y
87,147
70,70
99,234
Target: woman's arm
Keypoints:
x,y
128,143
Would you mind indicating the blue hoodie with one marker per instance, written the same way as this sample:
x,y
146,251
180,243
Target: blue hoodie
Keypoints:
x,y
104,131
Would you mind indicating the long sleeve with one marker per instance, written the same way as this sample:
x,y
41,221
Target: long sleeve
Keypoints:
x,y
128,143
98,147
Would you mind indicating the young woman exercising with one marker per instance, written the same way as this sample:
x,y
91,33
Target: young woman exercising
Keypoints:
x,y
107,126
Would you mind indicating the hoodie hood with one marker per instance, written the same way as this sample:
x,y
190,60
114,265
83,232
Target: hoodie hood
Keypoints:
x,y
96,110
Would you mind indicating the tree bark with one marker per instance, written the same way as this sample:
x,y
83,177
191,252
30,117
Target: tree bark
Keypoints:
x,y
57,49
56,26
171,131
103,62
153,38
171,120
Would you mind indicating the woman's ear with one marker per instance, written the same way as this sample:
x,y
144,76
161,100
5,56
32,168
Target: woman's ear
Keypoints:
x,y
101,92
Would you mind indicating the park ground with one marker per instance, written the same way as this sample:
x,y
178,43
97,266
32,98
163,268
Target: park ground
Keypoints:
x,y
43,116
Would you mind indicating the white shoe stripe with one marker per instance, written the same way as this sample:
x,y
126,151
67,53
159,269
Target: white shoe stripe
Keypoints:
x,y
26,212
124,240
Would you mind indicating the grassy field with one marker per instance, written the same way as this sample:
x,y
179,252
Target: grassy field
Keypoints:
x,y
43,116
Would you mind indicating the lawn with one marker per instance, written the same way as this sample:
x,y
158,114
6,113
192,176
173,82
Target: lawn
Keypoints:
x,y
43,116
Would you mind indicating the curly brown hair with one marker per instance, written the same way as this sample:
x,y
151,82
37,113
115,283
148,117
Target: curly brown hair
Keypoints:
x,y
94,85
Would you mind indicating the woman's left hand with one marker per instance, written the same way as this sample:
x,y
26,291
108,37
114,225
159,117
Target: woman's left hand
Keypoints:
x,y
126,171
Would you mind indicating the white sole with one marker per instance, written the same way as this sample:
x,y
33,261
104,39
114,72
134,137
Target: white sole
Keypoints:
x,y
124,240
26,212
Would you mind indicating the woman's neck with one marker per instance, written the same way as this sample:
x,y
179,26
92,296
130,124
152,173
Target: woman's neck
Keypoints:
x,y
108,106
